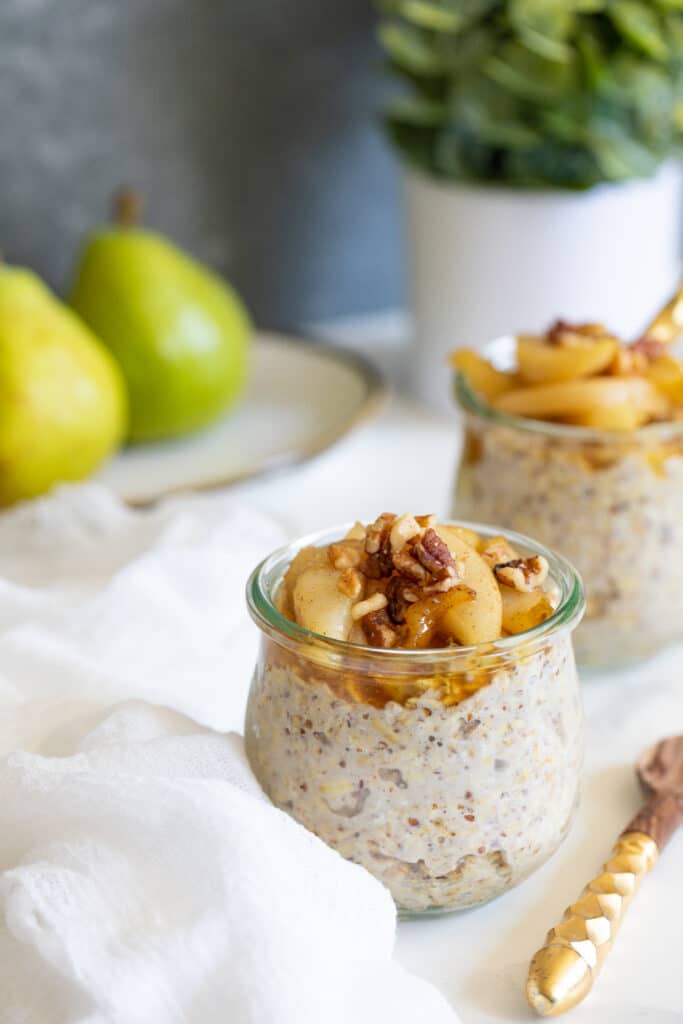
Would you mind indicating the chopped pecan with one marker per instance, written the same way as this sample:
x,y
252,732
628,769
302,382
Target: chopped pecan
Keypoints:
x,y
375,603
523,574
376,567
435,555
400,594
498,551
403,530
351,583
440,586
345,554
567,334
357,532
377,534
650,348
408,566
378,629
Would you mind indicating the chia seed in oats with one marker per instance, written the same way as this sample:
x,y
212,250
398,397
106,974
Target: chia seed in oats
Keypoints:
x,y
614,509
444,813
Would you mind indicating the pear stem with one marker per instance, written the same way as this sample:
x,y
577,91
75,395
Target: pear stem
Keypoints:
x,y
126,207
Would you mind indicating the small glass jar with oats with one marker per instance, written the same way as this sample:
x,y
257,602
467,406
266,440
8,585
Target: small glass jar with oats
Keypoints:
x,y
578,440
416,702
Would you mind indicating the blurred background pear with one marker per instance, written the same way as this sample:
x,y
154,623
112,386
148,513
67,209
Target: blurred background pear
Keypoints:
x,y
62,396
179,332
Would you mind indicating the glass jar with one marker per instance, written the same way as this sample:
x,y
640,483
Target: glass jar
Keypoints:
x,y
612,503
449,774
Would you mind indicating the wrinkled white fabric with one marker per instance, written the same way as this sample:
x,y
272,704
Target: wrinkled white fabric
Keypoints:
x,y
144,877
100,603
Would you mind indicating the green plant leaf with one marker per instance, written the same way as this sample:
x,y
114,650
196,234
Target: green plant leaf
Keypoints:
x,y
543,26
416,110
528,75
431,15
640,26
552,165
593,56
491,114
408,48
620,157
563,93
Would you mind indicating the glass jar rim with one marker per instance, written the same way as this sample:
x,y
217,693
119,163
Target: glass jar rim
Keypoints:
x,y
500,351
269,573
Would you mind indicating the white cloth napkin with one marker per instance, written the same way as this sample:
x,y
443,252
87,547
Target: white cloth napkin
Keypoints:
x,y
100,603
144,878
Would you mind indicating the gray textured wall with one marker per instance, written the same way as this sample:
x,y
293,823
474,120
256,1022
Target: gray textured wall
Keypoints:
x,y
249,124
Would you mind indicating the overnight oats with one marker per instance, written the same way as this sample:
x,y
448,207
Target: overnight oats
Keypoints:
x,y
416,704
577,439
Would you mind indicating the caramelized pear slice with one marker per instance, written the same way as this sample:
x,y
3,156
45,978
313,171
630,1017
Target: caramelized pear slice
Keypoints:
x,y
480,620
666,373
483,378
542,363
469,536
622,417
587,401
524,610
424,617
320,605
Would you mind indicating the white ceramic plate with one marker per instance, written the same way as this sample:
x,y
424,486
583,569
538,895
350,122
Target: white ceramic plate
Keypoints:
x,y
303,397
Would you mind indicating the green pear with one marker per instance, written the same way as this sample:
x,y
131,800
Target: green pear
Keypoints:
x,y
62,396
179,333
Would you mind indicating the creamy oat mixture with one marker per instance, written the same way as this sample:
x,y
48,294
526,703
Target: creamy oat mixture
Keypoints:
x,y
449,786
448,806
614,510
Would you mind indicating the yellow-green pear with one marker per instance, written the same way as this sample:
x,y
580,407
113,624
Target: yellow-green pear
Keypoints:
x,y
62,396
178,331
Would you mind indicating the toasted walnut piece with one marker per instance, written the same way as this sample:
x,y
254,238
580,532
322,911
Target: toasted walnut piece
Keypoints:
x,y
369,605
523,574
378,532
377,567
400,595
498,551
434,554
404,529
351,583
407,566
378,629
567,334
440,586
345,554
357,532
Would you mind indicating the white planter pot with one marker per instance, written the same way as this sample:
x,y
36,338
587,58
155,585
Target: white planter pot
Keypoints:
x,y
487,261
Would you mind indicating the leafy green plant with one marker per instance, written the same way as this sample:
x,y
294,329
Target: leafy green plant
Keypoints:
x,y
564,93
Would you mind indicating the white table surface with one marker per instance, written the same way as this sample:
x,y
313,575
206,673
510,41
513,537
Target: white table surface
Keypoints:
x,y
405,460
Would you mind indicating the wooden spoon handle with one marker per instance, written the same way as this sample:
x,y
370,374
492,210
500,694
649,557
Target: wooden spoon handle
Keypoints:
x,y
562,973
659,818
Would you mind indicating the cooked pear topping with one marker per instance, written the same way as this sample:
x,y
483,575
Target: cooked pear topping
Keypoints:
x,y
407,581
582,375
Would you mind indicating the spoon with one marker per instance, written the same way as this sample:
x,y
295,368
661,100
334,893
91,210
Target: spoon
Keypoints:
x,y
563,971
667,326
